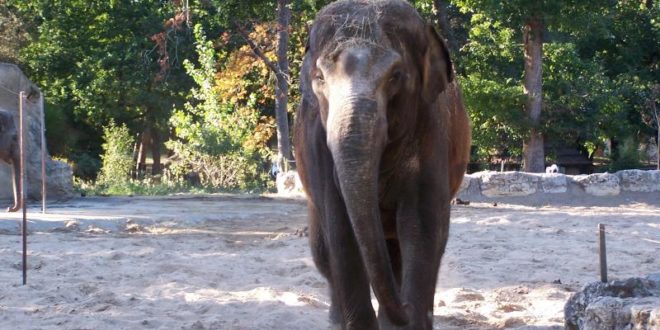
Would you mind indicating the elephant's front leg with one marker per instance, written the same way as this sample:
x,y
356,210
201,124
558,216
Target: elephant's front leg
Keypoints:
x,y
423,227
351,295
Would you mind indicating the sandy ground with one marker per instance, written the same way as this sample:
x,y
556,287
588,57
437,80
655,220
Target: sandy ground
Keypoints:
x,y
232,262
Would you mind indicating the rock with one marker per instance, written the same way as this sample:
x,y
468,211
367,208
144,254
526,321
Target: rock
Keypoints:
x,y
288,183
469,186
553,183
633,303
638,180
495,184
599,184
59,174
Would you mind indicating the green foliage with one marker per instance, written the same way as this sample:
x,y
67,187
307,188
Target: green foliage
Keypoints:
x,y
492,89
99,61
576,94
598,71
117,157
85,167
214,134
627,156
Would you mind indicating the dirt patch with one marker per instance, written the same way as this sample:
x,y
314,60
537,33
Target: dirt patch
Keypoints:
x,y
224,262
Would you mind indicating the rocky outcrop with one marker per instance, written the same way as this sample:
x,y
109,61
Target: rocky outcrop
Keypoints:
x,y
628,304
59,175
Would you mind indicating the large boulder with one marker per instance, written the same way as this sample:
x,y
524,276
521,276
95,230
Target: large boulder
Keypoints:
x,y
628,304
494,184
599,184
553,183
638,180
469,186
59,174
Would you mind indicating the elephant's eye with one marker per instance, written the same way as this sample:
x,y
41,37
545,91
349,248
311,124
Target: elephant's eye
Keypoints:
x,y
396,77
318,76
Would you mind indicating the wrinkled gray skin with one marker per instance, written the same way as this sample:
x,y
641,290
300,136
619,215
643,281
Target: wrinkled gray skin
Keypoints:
x,y
9,153
382,142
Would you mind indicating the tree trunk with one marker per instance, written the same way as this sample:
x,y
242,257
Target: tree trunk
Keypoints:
x,y
533,153
440,11
141,165
156,168
136,153
656,114
282,89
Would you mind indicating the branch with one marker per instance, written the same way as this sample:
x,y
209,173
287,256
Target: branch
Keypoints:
x,y
257,51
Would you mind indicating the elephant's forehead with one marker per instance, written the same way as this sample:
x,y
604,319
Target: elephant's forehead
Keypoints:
x,y
361,60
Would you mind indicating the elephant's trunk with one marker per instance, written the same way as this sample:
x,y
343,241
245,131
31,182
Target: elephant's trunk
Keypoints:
x,y
357,133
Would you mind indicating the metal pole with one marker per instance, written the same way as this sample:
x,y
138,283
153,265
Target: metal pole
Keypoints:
x,y
43,157
602,253
22,154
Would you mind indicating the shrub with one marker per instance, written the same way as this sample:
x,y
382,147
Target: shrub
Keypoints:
x,y
117,158
627,157
221,134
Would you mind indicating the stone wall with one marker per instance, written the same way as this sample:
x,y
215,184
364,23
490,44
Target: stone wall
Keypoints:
x,y
59,175
518,184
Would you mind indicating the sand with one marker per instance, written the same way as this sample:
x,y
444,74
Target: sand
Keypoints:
x,y
236,262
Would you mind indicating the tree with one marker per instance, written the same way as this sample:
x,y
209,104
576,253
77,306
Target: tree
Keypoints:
x,y
13,33
282,91
96,61
533,20
281,71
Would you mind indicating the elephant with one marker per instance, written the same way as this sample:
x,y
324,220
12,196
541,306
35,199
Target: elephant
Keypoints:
x,y
9,152
382,141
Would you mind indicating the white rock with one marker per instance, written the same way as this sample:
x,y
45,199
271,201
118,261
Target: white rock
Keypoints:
x,y
288,183
599,184
638,180
508,183
469,186
553,183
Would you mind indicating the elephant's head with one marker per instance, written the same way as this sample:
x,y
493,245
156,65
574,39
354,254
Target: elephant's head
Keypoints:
x,y
9,152
369,73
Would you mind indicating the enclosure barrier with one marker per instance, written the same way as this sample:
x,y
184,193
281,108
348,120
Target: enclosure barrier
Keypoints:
x,y
21,139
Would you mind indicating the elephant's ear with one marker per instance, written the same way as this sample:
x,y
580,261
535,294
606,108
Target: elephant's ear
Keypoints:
x,y
438,70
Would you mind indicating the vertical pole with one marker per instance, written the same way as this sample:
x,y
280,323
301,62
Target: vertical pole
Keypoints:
x,y
602,253
187,10
21,96
44,179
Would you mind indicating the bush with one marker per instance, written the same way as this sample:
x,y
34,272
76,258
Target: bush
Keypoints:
x,y
627,157
221,134
85,166
117,157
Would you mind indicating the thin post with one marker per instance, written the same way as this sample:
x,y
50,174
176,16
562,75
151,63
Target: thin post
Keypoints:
x,y
602,253
44,179
22,156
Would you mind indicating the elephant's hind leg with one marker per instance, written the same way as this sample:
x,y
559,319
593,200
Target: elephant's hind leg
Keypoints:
x,y
16,186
